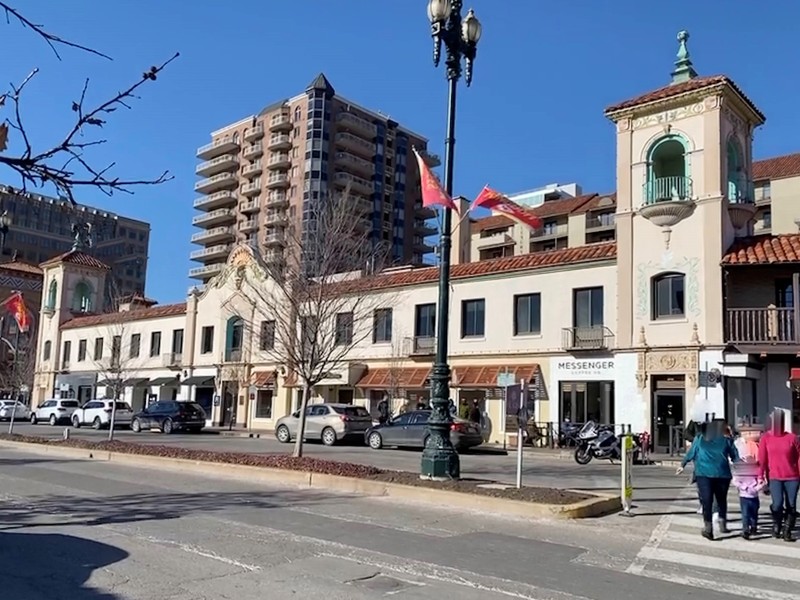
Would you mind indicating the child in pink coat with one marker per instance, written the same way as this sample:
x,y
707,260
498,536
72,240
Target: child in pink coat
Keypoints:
x,y
748,480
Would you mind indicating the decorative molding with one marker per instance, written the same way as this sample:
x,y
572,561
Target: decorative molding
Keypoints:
x,y
737,123
20,283
679,362
624,125
689,266
668,116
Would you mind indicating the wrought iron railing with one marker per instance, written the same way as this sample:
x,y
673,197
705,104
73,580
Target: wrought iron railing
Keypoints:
x,y
668,189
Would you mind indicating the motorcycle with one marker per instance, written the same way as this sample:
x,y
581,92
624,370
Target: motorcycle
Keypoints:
x,y
568,434
601,442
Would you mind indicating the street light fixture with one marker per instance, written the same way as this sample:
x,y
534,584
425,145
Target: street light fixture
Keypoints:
x,y
460,37
5,224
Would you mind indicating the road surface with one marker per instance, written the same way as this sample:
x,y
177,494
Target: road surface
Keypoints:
x,y
84,530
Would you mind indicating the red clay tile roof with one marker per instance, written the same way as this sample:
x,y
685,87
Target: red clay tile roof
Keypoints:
x,y
777,167
565,206
765,250
486,376
670,91
492,222
141,314
263,378
406,377
21,267
599,202
76,257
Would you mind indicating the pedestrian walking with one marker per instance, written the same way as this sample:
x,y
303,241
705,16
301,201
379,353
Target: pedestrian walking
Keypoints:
x,y
475,412
749,485
711,452
383,410
779,463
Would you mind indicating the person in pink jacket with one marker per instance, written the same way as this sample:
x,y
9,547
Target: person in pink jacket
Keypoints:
x,y
779,463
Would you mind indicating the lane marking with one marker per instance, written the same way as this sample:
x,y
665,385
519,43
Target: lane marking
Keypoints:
x,y
363,520
722,587
766,547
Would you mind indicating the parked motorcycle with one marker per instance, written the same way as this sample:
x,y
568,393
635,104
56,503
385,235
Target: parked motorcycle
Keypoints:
x,y
568,434
601,442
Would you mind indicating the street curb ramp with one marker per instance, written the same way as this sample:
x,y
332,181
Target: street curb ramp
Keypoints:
x,y
593,507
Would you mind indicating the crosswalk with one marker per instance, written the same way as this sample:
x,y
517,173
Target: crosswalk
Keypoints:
x,y
763,568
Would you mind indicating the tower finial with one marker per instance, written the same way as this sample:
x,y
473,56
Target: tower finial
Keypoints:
x,y
82,233
684,71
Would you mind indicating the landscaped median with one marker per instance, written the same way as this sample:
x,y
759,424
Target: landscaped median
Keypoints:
x,y
475,494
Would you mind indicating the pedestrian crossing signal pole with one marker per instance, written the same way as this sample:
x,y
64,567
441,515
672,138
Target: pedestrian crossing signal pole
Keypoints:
x,y
626,480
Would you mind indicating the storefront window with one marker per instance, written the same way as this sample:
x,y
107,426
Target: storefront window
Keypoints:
x,y
264,404
582,401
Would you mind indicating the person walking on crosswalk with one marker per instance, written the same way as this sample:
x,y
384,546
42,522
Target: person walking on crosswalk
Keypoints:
x,y
779,462
711,452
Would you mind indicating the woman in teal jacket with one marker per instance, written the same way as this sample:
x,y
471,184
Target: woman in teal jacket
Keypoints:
x,y
711,452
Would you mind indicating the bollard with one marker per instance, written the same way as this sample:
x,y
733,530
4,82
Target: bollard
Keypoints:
x,y
66,433
626,482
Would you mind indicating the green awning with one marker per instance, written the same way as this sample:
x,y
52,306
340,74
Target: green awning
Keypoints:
x,y
199,381
108,382
164,380
136,381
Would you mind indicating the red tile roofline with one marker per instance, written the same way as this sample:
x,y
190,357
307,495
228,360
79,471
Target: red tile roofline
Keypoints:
x,y
764,250
127,316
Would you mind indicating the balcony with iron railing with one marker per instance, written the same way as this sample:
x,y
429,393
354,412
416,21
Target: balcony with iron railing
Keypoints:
x,y
251,206
276,237
276,199
765,328
741,201
357,184
216,200
355,144
252,134
215,217
355,164
253,170
279,141
424,212
275,218
211,253
226,162
419,346
274,256
277,180
279,160
248,226
251,189
206,271
494,240
217,234
548,232
253,151
668,189
216,183
597,223
281,122
172,359
222,145
357,124
424,228
593,338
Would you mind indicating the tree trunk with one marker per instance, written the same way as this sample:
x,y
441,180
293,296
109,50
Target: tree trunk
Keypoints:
x,y
301,427
113,416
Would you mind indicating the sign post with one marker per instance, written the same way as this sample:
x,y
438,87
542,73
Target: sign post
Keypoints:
x,y
514,407
523,422
503,381
626,484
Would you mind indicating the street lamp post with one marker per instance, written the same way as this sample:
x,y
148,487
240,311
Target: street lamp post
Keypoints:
x,y
460,38
5,224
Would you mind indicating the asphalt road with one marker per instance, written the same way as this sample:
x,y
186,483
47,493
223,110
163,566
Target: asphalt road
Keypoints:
x,y
86,530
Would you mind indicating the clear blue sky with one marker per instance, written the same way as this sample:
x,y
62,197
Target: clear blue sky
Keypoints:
x,y
544,73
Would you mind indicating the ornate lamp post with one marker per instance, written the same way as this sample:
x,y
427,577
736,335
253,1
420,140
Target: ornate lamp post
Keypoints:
x,y
5,225
460,38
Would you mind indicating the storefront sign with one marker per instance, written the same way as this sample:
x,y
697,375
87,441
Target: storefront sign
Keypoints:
x,y
513,404
572,369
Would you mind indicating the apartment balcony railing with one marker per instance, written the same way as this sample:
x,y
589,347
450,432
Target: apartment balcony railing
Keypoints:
x,y
360,146
280,122
277,199
251,206
419,346
273,256
253,151
217,147
212,252
248,226
424,228
275,238
216,200
356,123
172,360
206,271
251,189
668,189
252,134
233,355
279,160
275,218
770,326
226,162
215,183
218,234
215,217
424,212
587,338
550,232
357,184
597,223
253,170
740,191
353,163
495,240
279,141
278,180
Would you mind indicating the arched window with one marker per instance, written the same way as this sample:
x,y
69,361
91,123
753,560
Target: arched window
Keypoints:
x,y
82,300
235,137
298,114
52,295
737,187
48,348
669,296
668,171
234,339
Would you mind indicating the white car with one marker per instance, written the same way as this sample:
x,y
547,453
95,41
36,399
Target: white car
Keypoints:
x,y
54,411
97,413
19,410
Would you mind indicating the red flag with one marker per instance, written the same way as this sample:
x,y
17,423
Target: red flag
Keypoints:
x,y
494,200
433,193
16,306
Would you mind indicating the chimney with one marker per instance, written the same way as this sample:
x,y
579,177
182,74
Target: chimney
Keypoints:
x,y
461,233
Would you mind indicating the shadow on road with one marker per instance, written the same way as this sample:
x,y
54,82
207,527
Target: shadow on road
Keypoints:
x,y
43,566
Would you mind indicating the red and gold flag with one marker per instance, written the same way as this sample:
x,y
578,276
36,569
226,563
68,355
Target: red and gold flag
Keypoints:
x,y
494,200
433,194
15,304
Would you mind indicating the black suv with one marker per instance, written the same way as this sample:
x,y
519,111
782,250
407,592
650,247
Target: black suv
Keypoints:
x,y
169,416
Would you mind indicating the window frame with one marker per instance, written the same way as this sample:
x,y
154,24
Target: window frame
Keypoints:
x,y
82,348
516,325
576,292
382,325
98,348
266,340
344,327
418,309
136,345
477,319
207,330
655,314
155,343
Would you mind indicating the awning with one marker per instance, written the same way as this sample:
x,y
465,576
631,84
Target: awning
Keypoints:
x,y
136,381
485,376
164,380
405,378
263,379
108,382
199,381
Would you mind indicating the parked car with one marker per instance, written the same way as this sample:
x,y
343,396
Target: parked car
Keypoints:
x,y
54,411
19,410
329,423
170,416
97,413
410,430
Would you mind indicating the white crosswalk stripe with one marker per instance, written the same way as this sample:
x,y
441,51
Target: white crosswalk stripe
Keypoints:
x,y
762,568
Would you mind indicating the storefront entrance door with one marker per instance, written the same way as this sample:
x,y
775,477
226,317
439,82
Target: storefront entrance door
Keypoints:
x,y
667,417
583,401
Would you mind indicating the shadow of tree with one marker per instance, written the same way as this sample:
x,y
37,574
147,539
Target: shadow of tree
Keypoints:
x,y
46,566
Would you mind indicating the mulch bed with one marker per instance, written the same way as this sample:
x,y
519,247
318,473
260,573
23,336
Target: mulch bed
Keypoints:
x,y
315,465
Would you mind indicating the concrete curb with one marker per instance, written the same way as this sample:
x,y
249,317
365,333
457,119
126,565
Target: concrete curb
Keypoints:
x,y
593,507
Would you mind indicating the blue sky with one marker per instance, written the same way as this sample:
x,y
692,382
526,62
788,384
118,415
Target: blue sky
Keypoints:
x,y
534,115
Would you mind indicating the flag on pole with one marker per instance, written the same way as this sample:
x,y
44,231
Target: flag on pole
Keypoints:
x,y
494,200
15,304
433,193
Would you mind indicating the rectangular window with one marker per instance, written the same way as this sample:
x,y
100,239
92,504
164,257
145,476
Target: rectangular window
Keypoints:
x,y
136,343
527,314
473,318
47,350
177,341
425,320
382,325
81,350
116,349
344,329
207,340
267,339
155,343
308,333
264,404
98,348
587,307
66,353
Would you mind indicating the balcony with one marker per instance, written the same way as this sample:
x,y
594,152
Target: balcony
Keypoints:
x,y
223,145
425,229
419,346
357,184
253,151
273,256
251,206
226,162
172,360
215,217
204,273
251,189
280,122
354,164
253,134
216,200
549,232
599,223
277,199
277,180
496,240
421,246
741,202
355,144
275,218
253,170
279,160
211,253
216,183
275,238
667,200
764,330
586,338
279,141
356,124
218,234
424,212
248,226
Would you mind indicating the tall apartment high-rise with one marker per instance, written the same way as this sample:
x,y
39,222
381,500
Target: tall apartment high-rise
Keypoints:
x,y
41,228
260,172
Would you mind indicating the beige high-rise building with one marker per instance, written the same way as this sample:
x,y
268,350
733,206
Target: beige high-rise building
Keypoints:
x,y
263,171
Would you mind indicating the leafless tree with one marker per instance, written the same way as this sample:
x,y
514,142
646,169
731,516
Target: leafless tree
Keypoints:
x,y
17,367
397,359
64,163
314,308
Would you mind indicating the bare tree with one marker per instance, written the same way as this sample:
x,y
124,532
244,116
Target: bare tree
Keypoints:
x,y
17,367
64,163
395,380
314,308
